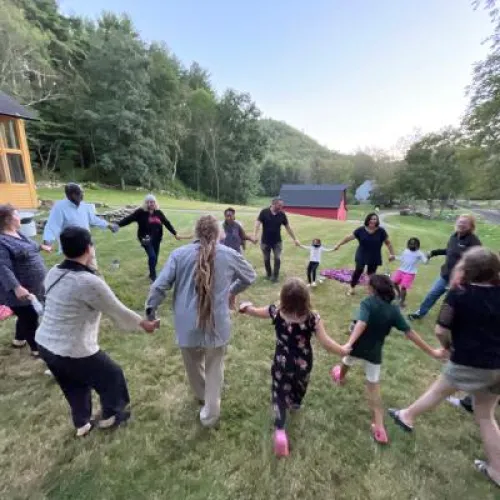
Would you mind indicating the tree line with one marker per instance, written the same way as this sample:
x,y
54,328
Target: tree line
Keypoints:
x,y
117,110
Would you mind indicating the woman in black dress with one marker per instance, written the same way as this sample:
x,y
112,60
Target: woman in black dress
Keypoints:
x,y
150,221
371,237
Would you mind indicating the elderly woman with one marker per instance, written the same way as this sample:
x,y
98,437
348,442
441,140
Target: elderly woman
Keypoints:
x,y
206,276
461,240
22,272
67,336
150,221
371,237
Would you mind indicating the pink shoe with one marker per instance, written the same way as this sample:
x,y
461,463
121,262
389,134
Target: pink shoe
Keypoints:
x,y
335,374
380,434
281,443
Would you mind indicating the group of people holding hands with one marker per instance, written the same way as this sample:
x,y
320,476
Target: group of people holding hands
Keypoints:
x,y
208,273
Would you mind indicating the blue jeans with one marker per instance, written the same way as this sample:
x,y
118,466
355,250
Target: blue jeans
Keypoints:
x,y
437,290
152,249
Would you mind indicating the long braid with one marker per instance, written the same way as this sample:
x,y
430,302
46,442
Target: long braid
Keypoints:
x,y
207,231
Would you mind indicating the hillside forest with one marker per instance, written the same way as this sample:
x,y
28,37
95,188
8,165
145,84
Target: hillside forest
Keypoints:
x,y
117,110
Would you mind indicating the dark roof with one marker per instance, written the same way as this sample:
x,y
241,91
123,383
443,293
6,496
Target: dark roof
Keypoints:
x,y
312,195
10,107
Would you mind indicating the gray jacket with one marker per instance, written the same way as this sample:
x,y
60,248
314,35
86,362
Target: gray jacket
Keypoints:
x,y
233,274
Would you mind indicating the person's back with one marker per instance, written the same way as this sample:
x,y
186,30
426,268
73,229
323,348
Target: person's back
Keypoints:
x,y
233,235
230,270
475,327
380,317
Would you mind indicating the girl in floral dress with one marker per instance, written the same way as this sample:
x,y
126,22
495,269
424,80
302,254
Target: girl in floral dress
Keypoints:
x,y
295,323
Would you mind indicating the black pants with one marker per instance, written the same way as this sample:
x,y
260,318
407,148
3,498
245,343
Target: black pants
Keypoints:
x,y
77,376
152,249
358,271
26,325
266,252
311,271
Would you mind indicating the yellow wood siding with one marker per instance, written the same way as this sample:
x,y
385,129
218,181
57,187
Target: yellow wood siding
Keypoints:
x,y
20,195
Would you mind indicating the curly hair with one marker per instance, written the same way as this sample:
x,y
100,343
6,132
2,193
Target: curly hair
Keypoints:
x,y
207,232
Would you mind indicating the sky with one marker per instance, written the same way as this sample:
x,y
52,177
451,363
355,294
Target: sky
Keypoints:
x,y
350,73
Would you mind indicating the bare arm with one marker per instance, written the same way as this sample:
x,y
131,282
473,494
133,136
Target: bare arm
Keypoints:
x,y
256,312
256,229
289,230
390,247
327,342
422,344
345,240
359,329
444,336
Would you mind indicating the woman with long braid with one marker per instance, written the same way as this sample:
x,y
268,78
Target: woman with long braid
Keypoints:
x,y
206,277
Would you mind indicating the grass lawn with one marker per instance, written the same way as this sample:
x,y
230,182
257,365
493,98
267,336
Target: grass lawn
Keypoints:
x,y
164,454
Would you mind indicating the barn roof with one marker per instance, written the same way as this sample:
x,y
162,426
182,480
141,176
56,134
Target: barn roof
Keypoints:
x,y
313,195
10,107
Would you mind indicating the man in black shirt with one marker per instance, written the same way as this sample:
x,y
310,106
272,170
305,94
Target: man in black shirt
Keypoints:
x,y
272,219
462,239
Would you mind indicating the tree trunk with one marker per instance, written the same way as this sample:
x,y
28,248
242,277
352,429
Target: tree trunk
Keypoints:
x,y
122,183
176,159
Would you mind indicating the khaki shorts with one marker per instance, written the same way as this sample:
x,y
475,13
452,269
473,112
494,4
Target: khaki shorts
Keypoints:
x,y
372,371
469,379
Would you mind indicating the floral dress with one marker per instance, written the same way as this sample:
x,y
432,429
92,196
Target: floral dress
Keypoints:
x,y
292,363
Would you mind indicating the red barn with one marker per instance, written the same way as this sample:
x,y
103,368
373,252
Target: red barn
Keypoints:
x,y
316,200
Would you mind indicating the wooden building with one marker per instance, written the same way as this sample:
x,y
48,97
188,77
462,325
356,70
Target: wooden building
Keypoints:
x,y
17,184
326,201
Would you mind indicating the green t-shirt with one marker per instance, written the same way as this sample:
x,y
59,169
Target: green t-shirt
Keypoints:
x,y
380,317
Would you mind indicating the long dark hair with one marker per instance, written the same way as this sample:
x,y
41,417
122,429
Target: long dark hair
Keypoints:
x,y
369,216
382,287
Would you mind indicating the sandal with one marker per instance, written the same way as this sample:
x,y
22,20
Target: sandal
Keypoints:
x,y
335,374
397,420
482,467
380,434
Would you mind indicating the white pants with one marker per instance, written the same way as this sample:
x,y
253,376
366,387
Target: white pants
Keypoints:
x,y
205,371
372,371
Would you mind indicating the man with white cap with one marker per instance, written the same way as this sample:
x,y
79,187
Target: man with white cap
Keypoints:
x,y
150,221
72,211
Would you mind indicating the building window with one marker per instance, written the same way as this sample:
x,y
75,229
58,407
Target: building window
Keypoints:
x,y
16,169
9,135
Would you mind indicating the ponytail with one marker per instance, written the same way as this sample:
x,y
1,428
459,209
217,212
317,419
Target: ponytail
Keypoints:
x,y
207,231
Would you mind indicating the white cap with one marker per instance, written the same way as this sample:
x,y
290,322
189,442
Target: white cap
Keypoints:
x,y
150,197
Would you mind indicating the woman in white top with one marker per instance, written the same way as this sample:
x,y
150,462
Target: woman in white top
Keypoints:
x,y
67,335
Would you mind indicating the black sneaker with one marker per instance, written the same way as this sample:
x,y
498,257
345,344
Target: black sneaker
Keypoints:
x,y
274,279
414,316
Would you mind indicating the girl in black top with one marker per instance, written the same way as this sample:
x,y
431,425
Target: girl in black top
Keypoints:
x,y
150,221
371,237
469,326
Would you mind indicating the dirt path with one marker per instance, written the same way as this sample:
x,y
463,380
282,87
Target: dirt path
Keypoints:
x,y
490,215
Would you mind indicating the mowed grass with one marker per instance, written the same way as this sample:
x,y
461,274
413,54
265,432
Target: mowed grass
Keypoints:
x,y
164,453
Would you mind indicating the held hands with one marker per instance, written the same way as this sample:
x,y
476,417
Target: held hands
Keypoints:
x,y
244,306
441,354
392,258
297,242
149,326
46,248
346,349
114,228
22,293
336,247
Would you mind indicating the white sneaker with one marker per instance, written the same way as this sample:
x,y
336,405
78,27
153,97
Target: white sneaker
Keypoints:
x,y
314,285
454,401
48,373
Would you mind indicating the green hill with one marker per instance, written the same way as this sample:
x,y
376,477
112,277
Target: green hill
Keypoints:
x,y
292,148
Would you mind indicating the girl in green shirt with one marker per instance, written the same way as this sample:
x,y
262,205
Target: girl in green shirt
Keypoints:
x,y
377,316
